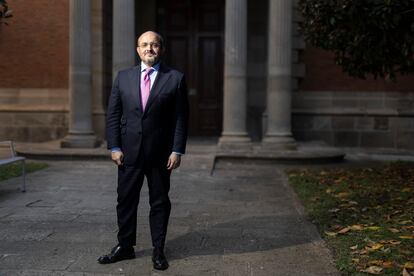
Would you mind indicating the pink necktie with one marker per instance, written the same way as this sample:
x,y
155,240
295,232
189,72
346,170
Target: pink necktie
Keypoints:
x,y
146,87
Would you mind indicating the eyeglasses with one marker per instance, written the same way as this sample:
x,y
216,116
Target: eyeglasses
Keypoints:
x,y
152,45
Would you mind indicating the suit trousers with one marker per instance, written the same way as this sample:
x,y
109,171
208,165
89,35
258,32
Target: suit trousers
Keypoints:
x,y
130,181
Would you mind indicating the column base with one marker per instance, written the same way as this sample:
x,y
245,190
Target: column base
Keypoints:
x,y
277,143
235,142
79,140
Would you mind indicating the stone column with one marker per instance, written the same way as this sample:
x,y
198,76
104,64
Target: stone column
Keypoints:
x,y
81,134
278,134
124,40
98,119
234,135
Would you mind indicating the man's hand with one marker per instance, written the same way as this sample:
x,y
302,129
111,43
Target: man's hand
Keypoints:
x,y
117,157
173,161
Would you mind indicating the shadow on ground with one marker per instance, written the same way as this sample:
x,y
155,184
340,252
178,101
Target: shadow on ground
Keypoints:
x,y
247,235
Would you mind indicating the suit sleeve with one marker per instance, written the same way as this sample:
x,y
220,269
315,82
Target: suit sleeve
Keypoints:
x,y
181,118
113,117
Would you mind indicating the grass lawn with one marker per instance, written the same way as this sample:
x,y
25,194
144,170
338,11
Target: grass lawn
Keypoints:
x,y
366,215
15,169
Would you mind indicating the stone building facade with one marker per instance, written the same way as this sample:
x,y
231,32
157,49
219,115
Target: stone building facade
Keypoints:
x,y
251,77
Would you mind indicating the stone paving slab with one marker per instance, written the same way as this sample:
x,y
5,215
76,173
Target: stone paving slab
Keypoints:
x,y
241,220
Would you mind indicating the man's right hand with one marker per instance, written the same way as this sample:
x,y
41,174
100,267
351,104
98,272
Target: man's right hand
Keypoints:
x,y
117,157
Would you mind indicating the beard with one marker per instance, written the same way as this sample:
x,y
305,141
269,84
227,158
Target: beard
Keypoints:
x,y
150,60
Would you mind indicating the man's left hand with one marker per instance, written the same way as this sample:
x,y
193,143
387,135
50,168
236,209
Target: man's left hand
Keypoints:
x,y
173,161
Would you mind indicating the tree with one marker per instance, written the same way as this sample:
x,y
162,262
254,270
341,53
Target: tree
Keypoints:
x,y
367,36
4,11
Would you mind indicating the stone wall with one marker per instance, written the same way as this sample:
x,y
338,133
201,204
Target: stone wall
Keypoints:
x,y
355,119
33,115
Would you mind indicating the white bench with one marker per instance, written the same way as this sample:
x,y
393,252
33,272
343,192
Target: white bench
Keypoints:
x,y
8,155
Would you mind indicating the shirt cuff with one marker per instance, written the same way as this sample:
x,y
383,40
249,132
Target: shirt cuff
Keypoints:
x,y
178,153
115,149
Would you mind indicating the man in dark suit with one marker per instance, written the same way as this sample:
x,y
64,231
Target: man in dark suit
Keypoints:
x,y
146,126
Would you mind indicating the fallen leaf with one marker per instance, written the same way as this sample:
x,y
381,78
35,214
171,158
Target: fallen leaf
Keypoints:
x,y
373,247
331,234
409,227
373,270
406,237
393,242
394,230
375,262
328,191
405,221
406,190
344,230
368,240
342,195
357,227
387,264
381,263
406,273
385,250
334,210
373,228
355,247
409,265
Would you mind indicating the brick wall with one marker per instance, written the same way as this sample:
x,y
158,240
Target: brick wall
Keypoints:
x,y
322,74
34,46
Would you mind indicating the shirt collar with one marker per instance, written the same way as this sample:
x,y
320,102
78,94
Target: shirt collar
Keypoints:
x,y
156,67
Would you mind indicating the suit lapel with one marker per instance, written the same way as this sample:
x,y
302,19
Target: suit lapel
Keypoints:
x,y
135,81
159,83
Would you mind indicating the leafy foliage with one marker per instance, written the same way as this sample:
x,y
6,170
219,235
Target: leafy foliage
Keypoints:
x,y
366,215
367,36
4,11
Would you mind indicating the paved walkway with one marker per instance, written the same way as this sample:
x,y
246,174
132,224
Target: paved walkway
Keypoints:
x,y
242,220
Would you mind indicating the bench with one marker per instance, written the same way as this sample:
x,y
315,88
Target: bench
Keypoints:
x,y
8,155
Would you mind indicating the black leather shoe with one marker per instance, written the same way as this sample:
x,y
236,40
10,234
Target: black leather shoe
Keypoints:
x,y
159,260
117,254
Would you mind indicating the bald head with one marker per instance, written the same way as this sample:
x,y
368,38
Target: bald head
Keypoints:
x,y
150,47
151,34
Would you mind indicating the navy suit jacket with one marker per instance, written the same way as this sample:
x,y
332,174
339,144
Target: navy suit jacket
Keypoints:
x,y
158,131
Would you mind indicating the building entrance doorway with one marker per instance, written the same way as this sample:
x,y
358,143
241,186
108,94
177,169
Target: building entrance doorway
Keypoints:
x,y
194,33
